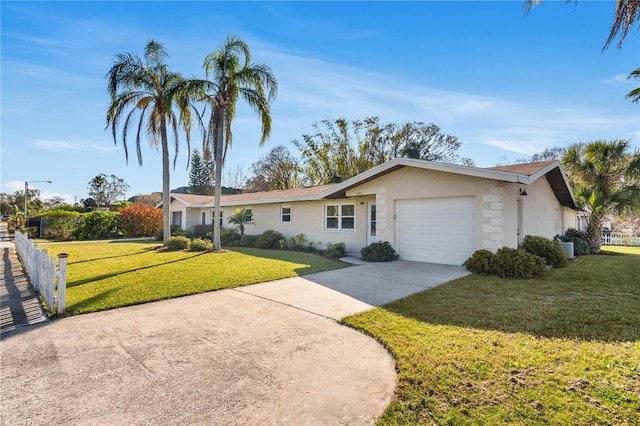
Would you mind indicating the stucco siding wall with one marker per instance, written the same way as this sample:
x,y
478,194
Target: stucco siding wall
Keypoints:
x,y
542,213
306,218
409,183
569,219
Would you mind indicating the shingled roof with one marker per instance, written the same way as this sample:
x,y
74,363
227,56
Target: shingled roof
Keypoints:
x,y
525,174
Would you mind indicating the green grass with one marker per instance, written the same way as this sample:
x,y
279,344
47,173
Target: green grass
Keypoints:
x,y
563,349
105,275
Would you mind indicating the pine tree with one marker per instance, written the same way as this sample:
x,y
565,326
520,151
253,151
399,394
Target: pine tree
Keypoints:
x,y
200,182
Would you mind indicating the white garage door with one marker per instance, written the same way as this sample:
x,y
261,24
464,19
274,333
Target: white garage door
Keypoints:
x,y
436,230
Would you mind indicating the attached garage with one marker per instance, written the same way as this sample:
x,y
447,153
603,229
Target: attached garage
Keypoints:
x,y
436,230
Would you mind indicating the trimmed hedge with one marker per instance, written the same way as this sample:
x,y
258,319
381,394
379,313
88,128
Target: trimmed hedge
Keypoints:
x,y
381,251
549,250
506,263
178,243
198,244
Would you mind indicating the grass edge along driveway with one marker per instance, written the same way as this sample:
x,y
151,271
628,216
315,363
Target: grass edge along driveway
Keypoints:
x,y
106,275
562,349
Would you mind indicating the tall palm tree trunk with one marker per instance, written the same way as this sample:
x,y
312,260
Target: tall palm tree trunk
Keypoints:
x,y
166,199
218,178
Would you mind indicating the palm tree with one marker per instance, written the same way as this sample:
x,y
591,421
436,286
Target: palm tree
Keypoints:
x,y
240,218
634,95
233,76
145,94
627,13
606,179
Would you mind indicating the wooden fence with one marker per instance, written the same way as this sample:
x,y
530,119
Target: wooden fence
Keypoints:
x,y
619,240
41,269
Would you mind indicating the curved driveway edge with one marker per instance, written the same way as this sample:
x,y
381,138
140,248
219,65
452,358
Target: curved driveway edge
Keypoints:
x,y
225,357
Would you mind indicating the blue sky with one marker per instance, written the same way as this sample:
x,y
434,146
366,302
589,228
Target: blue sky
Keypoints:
x,y
506,85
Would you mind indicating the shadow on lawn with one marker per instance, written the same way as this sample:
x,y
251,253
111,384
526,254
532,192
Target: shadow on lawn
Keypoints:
x,y
106,257
128,271
588,301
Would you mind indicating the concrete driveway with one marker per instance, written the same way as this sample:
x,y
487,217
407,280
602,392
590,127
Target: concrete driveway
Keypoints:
x,y
264,354
339,293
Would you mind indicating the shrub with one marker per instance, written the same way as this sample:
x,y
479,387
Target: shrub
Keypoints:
x,y
201,231
517,263
140,220
99,225
248,241
579,240
176,231
269,239
178,243
198,244
378,252
335,250
549,250
228,236
59,224
481,262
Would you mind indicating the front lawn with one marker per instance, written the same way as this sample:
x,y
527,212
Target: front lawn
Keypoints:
x,y
563,349
105,275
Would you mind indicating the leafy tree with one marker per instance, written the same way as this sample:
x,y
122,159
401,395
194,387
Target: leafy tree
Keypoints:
x,y
55,202
339,150
153,199
105,190
278,169
35,204
233,76
239,219
89,203
150,92
199,176
605,179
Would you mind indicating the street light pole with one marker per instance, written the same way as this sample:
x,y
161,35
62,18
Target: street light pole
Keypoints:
x,y
26,197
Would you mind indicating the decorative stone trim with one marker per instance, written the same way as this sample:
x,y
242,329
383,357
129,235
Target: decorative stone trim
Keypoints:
x,y
492,219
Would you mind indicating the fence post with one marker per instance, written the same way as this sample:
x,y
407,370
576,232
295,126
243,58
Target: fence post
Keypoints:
x,y
62,282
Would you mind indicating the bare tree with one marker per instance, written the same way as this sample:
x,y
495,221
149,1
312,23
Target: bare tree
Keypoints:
x,y
234,177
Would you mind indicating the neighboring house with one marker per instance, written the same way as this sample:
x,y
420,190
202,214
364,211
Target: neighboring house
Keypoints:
x,y
429,212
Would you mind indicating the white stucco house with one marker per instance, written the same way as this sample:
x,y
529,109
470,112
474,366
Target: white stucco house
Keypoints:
x,y
428,211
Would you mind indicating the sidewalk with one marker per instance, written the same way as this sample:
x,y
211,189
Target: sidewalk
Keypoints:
x,y
19,304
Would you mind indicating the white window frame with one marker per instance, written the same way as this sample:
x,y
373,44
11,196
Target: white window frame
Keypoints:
x,y
339,217
282,214
203,218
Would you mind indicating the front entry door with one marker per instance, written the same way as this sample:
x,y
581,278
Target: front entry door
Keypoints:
x,y
371,221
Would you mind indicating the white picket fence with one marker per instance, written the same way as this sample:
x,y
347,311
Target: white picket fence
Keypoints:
x,y
41,269
619,240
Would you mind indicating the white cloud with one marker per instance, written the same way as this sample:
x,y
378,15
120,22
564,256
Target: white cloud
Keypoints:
x,y
67,146
13,186
619,80
59,145
47,195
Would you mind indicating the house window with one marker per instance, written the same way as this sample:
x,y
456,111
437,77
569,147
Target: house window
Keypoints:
x,y
339,216
204,218
213,216
176,218
248,214
285,214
